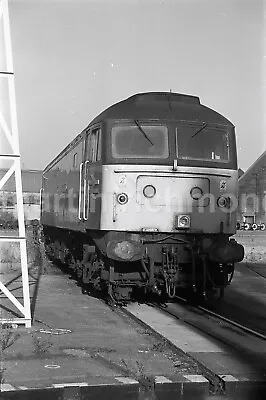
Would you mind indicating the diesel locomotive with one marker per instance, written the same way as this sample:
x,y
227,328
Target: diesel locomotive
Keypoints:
x,y
145,198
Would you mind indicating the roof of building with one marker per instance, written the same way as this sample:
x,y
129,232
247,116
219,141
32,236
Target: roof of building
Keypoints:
x,y
259,164
31,181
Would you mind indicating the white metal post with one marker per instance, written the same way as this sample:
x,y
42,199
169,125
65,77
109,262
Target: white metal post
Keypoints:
x,y
12,137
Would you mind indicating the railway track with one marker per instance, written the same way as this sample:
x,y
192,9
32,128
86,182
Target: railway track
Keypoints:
x,y
182,325
216,382
255,271
207,311
202,325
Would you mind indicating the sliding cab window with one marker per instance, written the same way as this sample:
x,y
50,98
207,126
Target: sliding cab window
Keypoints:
x,y
139,141
203,142
94,145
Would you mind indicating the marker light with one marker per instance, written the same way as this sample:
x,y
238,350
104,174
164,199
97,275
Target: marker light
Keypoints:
x,y
223,201
183,221
122,198
196,193
149,191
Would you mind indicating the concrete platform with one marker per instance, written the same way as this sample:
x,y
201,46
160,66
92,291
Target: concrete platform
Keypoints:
x,y
78,348
242,373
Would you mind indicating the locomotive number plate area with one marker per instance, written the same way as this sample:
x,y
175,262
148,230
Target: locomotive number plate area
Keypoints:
x,y
173,192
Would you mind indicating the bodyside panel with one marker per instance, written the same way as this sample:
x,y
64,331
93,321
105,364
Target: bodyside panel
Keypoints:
x,y
60,193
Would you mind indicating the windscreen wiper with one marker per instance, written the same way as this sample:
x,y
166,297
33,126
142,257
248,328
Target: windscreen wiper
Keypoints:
x,y
142,131
203,127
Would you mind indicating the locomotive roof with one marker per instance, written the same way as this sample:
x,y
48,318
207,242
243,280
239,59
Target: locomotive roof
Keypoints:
x,y
154,105
162,105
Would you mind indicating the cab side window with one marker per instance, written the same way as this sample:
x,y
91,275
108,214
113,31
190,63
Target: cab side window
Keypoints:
x,y
94,145
99,144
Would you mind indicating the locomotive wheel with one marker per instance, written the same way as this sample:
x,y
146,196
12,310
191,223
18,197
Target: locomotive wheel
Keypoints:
x,y
216,294
48,251
71,262
79,269
211,281
91,274
217,281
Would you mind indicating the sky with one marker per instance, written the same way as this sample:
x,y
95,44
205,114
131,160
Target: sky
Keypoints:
x,y
72,59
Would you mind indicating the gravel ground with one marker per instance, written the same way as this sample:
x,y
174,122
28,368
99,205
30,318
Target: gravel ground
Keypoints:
x,y
10,253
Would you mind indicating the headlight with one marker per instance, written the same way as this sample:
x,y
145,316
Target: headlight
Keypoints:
x,y
127,250
223,201
196,193
183,221
149,191
122,198
124,250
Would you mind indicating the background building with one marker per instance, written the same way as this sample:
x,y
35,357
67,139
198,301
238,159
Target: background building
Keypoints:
x,y
252,192
31,185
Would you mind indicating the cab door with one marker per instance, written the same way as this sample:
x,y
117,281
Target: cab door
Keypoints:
x,y
90,173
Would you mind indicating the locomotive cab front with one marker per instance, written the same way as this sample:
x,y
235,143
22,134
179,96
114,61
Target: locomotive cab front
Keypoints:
x,y
172,190
156,198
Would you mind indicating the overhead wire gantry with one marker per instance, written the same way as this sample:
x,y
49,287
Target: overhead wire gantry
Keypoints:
x,y
10,135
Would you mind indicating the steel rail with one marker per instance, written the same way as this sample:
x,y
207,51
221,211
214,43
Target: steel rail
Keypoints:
x,y
236,324
214,379
221,317
255,272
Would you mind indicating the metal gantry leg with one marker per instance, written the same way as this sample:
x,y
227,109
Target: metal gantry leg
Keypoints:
x,y
15,169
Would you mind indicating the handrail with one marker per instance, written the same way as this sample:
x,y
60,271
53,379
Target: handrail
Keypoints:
x,y
80,190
